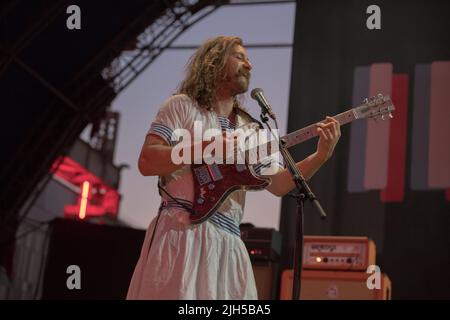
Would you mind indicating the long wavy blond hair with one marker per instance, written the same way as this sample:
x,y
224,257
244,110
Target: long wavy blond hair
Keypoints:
x,y
204,71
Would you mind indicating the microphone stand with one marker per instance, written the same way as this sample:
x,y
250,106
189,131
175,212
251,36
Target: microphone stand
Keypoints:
x,y
304,193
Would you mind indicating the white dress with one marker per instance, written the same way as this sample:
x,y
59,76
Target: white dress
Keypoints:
x,y
192,261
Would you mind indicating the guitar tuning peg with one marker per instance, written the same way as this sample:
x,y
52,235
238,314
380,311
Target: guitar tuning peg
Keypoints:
x,y
382,117
366,100
390,115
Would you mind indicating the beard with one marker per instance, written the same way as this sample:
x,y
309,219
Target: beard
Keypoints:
x,y
237,83
241,82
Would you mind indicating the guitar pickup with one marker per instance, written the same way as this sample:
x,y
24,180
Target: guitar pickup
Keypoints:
x,y
215,173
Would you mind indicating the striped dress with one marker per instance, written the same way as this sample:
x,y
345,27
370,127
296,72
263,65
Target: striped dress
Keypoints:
x,y
187,261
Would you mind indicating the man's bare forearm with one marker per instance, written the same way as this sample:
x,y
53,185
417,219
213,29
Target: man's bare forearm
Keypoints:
x,y
282,181
157,158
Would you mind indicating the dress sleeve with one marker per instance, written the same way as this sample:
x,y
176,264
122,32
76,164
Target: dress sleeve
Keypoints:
x,y
171,116
269,165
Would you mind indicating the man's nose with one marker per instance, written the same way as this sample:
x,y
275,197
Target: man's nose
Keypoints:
x,y
248,65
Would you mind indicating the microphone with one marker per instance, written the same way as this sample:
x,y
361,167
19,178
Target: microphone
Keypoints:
x,y
258,95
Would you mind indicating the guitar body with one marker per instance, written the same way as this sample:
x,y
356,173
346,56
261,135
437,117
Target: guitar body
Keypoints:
x,y
215,182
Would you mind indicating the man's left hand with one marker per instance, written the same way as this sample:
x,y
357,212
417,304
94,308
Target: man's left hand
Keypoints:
x,y
329,132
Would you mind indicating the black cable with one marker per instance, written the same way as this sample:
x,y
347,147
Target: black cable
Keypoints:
x,y
191,210
159,213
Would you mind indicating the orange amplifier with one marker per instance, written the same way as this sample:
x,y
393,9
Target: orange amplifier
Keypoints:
x,y
338,253
335,285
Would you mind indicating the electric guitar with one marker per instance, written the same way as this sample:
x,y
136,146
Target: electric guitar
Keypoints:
x,y
213,183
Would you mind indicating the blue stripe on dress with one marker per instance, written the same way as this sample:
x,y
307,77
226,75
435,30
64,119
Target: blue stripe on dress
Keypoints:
x,y
224,219
265,163
163,131
225,223
181,200
162,128
226,124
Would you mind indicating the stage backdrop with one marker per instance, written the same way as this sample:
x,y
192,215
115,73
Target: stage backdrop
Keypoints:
x,y
387,180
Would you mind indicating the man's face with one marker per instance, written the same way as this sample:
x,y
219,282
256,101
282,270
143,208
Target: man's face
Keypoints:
x,y
237,71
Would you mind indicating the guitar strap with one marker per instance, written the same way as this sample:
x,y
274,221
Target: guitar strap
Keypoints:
x,y
240,109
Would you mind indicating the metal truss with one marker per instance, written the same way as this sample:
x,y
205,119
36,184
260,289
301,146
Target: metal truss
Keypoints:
x,y
163,32
155,39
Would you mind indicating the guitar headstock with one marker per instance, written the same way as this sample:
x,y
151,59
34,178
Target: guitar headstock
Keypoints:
x,y
376,107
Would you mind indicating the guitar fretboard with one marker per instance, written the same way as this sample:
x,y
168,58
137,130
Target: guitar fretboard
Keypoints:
x,y
372,108
310,131
299,136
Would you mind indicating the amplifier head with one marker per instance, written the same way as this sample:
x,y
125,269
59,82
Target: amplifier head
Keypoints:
x,y
262,243
338,253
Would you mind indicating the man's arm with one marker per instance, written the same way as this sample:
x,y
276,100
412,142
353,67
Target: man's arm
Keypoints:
x,y
329,134
282,181
155,158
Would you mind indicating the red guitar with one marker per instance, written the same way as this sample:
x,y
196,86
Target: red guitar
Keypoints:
x,y
215,182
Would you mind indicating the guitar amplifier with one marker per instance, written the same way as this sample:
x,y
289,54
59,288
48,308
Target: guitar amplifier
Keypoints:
x,y
338,253
262,243
335,285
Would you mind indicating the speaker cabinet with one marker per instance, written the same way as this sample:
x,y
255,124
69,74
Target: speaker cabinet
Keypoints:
x,y
105,255
266,278
335,285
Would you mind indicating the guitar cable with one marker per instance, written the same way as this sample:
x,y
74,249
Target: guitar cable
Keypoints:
x,y
161,188
190,210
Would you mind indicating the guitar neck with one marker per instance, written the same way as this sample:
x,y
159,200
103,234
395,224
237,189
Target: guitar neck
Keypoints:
x,y
310,131
300,135
374,107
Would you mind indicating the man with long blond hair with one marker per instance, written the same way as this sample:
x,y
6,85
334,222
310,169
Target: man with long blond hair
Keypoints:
x,y
180,260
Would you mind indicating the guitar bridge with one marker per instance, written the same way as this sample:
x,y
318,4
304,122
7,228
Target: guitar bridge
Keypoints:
x,y
202,175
